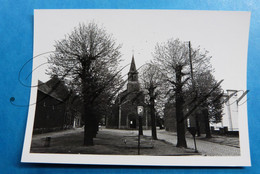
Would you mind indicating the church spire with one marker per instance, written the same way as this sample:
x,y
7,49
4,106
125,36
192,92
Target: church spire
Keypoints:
x,y
132,67
133,84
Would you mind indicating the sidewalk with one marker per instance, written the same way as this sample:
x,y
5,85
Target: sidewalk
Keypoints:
x,y
108,141
224,140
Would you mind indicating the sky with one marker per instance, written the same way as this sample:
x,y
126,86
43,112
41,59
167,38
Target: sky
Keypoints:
x,y
224,34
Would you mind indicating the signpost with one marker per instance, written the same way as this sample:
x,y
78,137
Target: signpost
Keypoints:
x,y
193,131
140,113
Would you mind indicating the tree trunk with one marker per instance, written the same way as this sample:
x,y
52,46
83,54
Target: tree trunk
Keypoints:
x,y
88,135
181,140
153,120
88,115
206,121
89,126
95,128
197,124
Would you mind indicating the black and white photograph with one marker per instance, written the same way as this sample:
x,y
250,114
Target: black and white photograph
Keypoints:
x,y
139,87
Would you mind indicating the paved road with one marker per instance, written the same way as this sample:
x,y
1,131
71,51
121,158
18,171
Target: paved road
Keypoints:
x,y
203,146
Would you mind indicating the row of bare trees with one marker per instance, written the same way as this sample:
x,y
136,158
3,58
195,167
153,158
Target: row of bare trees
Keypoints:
x,y
88,59
184,75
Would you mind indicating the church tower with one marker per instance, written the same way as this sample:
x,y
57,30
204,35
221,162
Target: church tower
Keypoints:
x,y
124,111
133,84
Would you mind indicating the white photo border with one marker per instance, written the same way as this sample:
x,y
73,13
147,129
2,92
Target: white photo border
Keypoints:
x,y
27,157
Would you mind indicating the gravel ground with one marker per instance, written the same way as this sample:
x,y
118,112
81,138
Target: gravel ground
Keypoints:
x,y
124,142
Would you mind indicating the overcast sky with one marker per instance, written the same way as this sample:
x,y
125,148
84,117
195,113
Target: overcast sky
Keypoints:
x,y
223,34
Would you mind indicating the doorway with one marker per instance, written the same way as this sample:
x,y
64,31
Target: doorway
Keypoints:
x,y
132,123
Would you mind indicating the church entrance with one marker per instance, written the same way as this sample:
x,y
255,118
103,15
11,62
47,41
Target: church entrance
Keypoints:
x,y
132,123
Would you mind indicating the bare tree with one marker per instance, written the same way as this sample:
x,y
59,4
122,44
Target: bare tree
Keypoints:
x,y
151,81
173,57
88,58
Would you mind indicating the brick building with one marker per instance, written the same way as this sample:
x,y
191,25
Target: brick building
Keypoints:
x,y
54,110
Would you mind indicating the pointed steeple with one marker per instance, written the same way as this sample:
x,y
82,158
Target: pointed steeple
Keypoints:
x,y
133,74
133,84
132,67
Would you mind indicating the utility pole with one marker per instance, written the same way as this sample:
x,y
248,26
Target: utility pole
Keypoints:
x,y
194,89
191,69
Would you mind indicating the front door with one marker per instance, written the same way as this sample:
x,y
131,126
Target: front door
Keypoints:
x,y
132,123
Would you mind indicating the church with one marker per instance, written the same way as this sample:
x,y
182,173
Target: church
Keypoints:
x,y
124,111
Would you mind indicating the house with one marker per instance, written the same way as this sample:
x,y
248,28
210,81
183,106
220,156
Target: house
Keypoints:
x,y
231,101
54,109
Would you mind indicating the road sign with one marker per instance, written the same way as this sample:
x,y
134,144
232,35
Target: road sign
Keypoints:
x,y
193,131
140,110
